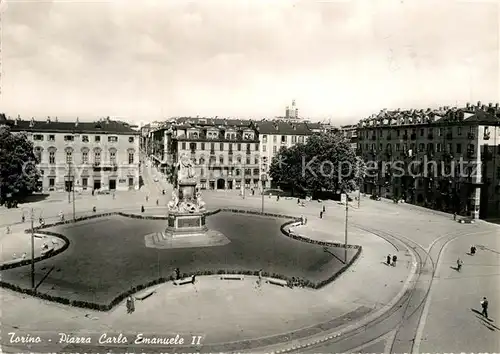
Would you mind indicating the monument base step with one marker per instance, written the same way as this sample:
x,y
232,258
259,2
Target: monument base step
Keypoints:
x,y
210,238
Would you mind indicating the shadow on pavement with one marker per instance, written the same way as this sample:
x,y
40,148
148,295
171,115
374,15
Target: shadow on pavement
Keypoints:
x,y
487,322
34,198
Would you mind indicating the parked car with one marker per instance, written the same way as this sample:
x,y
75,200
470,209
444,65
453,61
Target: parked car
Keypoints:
x,y
103,191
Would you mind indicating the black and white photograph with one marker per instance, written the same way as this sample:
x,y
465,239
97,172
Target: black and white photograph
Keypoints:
x,y
236,176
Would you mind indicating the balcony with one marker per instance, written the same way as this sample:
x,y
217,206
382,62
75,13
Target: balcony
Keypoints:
x,y
230,152
449,136
430,136
212,152
470,136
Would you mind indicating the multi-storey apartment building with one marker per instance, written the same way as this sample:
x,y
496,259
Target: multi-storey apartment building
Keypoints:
x,y
274,135
225,152
88,155
350,132
447,159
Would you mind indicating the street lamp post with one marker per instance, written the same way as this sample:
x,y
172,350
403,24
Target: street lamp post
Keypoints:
x,y
346,220
32,250
71,188
263,179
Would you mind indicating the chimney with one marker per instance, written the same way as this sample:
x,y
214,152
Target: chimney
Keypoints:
x,y
467,105
19,116
490,105
496,105
15,122
77,121
478,104
32,123
48,119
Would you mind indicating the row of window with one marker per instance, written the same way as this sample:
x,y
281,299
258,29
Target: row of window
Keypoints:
x,y
421,131
213,160
85,157
237,172
85,138
284,139
421,147
215,135
194,146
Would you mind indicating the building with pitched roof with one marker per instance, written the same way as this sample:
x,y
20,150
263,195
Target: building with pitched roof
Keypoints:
x,y
447,159
87,155
275,134
225,152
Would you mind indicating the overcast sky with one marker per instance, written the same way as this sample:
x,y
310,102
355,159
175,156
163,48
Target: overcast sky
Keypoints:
x,y
142,60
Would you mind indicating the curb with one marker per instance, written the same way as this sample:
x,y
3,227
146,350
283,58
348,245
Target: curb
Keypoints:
x,y
320,338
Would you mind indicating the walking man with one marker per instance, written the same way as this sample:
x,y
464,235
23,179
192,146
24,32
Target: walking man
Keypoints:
x,y
388,259
484,305
459,264
324,208
455,216
394,259
321,215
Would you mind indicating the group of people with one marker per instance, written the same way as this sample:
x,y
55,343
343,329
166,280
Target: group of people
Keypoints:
x,y
390,258
460,263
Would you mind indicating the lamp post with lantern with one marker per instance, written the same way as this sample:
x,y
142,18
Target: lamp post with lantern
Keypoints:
x,y
263,179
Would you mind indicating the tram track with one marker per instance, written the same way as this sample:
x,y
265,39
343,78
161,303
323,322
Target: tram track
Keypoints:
x,y
409,307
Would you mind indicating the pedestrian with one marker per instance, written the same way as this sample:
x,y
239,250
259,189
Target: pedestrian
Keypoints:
x,y
473,250
129,305
177,273
394,259
23,218
163,191
459,264
23,256
388,259
277,198
455,216
484,306
302,220
305,220
321,215
157,202
94,209
147,198
93,191
142,208
193,279
298,200
324,208
8,230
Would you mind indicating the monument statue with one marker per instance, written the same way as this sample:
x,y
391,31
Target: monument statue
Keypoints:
x,y
173,205
186,198
185,169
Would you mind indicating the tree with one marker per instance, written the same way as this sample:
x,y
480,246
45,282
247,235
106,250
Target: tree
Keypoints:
x,y
327,162
18,172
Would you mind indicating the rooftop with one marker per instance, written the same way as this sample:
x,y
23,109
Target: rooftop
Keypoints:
x,y
105,126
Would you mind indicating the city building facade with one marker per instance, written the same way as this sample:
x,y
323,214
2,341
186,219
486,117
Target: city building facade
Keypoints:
x,y
225,153
446,159
86,155
275,134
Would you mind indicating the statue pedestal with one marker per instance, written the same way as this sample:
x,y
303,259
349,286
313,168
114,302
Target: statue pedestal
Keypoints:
x,y
181,224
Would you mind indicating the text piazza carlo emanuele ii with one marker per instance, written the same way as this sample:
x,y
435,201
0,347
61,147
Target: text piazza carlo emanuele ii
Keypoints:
x,y
105,338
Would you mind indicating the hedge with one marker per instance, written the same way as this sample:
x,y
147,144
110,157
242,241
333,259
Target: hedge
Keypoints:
x,y
292,281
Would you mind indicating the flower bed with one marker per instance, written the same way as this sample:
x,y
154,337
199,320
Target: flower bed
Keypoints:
x,y
291,281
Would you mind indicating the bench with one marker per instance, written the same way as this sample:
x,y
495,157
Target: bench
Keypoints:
x,y
466,221
232,277
279,282
183,281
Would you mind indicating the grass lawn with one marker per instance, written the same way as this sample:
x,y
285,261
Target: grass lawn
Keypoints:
x,y
108,256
